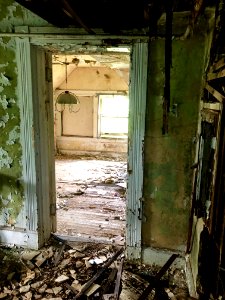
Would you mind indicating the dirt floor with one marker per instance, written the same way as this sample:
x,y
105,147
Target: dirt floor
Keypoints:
x,y
91,198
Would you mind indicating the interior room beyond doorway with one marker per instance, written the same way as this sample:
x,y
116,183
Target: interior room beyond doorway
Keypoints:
x,y
91,145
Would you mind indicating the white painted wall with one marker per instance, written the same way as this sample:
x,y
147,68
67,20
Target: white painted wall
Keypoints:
x,y
78,132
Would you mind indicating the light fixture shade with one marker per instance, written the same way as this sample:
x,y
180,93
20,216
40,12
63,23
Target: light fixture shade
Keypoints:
x,y
67,98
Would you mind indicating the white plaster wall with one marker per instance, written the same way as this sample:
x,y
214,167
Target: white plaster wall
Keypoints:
x,y
80,129
81,122
80,145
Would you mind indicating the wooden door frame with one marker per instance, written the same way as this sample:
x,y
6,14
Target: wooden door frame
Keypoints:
x,y
138,95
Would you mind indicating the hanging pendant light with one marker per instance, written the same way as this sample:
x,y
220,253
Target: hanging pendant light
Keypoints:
x,y
67,98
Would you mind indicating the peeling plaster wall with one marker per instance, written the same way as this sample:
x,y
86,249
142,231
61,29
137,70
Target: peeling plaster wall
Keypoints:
x,y
12,213
168,158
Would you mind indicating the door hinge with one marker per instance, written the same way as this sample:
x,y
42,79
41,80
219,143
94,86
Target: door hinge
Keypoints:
x,y
53,209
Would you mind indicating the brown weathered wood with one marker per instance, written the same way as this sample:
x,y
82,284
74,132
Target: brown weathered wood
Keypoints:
x,y
110,280
215,93
217,75
218,65
118,280
161,272
212,106
71,288
98,274
57,259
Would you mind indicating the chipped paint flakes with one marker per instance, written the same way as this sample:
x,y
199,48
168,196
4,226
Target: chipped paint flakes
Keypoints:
x,y
11,44
5,159
3,120
7,200
2,66
4,81
3,100
13,135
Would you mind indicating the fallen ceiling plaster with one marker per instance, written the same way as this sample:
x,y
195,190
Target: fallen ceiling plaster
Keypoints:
x,y
65,270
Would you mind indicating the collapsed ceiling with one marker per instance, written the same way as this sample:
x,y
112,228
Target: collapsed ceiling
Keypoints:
x,y
112,16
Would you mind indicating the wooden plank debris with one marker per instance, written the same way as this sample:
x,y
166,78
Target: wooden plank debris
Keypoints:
x,y
217,75
212,106
161,272
111,278
59,254
98,274
218,65
215,93
115,295
118,280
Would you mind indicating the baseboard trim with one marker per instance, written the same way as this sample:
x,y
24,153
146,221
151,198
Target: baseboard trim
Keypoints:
x,y
19,237
160,256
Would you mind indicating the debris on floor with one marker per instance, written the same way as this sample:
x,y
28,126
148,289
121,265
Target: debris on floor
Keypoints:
x,y
72,270
93,190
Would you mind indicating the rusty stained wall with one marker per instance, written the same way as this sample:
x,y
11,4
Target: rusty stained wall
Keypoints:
x,y
11,182
168,158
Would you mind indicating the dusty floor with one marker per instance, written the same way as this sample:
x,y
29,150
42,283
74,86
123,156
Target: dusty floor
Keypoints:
x,y
91,198
91,203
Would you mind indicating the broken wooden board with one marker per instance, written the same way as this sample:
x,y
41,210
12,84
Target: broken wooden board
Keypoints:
x,y
115,295
215,93
99,273
217,75
218,65
162,271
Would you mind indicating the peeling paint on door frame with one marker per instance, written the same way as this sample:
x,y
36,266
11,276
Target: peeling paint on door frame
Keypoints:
x,y
138,95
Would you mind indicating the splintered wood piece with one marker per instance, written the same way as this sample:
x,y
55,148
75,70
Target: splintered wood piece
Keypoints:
x,y
111,278
215,93
72,289
161,272
115,295
57,259
218,65
98,274
212,76
118,280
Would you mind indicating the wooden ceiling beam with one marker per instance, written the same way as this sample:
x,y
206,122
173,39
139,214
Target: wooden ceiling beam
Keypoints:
x,y
219,97
217,75
69,11
218,65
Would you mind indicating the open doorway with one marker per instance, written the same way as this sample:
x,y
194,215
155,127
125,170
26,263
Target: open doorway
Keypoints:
x,y
91,140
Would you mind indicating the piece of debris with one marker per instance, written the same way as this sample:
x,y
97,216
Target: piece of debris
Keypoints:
x,y
98,274
61,278
24,289
29,255
74,277
158,276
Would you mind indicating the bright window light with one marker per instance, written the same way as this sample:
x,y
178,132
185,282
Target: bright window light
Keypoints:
x,y
113,115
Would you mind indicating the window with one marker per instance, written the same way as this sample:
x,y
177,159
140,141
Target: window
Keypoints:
x,y
113,116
